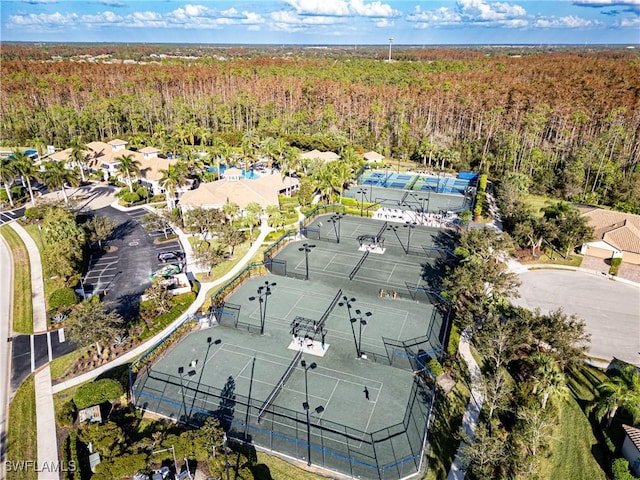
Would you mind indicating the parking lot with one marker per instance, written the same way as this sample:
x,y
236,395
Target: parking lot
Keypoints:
x,y
122,274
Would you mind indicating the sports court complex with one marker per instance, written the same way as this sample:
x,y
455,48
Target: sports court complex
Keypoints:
x,y
319,353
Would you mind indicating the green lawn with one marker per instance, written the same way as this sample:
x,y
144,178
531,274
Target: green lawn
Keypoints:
x,y
573,447
537,202
21,431
60,365
22,303
224,267
269,467
572,261
49,284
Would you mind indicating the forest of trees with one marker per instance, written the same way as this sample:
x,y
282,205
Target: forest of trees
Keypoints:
x,y
570,120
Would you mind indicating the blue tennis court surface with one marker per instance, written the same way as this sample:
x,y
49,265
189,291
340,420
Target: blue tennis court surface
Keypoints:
x,y
398,185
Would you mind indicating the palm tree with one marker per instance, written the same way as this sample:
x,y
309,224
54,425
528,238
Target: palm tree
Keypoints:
x,y
128,166
8,174
172,178
340,176
549,381
280,147
230,209
78,155
57,175
25,167
621,390
268,149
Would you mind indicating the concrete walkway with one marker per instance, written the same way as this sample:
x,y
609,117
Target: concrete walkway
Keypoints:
x,y
470,418
37,280
47,442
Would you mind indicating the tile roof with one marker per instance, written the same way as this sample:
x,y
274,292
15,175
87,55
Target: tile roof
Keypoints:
x,y
326,156
634,435
263,190
373,156
620,230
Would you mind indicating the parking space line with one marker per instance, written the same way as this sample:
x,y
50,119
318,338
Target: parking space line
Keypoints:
x,y
33,358
49,350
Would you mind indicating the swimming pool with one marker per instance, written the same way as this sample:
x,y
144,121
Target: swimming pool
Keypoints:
x,y
248,174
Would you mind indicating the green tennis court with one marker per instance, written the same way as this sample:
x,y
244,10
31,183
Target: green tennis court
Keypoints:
x,y
337,331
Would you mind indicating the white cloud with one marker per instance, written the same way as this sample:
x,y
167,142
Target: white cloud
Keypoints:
x,y
373,9
569,21
49,20
384,23
102,18
471,13
629,23
334,8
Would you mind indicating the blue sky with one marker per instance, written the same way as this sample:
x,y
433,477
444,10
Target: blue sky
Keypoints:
x,y
346,22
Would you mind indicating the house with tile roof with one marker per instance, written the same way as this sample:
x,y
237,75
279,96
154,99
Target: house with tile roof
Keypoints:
x,y
631,448
101,156
317,154
373,157
235,188
616,234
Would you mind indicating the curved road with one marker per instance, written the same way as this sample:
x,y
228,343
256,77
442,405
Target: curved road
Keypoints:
x,y
610,309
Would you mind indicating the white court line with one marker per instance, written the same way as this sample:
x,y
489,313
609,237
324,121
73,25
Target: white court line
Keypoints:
x,y
330,261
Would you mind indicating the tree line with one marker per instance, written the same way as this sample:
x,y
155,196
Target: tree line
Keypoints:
x,y
567,120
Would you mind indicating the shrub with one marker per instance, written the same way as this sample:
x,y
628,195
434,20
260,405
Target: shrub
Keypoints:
x,y
97,392
482,183
119,467
435,367
130,197
616,262
36,213
613,270
65,415
454,341
63,297
620,469
142,192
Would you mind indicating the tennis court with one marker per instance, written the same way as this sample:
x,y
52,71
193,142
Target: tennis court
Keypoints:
x,y
348,346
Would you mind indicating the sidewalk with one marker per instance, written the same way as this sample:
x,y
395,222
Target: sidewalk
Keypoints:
x,y
470,418
47,442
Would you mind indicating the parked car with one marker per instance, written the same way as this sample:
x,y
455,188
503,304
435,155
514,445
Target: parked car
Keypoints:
x,y
170,256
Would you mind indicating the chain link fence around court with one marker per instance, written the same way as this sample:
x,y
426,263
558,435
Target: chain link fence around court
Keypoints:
x,y
390,453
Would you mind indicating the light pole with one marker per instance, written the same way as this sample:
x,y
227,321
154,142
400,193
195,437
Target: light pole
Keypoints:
x,y
335,220
410,226
390,42
181,374
263,294
394,229
348,303
305,405
306,248
362,192
361,319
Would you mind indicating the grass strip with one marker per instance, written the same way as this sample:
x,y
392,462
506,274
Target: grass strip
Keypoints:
x,y
60,366
21,432
49,283
269,467
22,303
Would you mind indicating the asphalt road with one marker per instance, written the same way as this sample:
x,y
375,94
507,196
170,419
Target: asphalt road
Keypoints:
x,y
6,269
610,309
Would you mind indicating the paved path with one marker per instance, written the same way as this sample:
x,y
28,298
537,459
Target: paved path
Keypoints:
x,y
6,302
470,418
46,425
37,281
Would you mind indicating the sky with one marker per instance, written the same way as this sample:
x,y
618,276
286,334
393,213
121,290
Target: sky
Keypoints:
x,y
323,22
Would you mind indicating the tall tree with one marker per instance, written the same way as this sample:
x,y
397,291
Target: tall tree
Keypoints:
x,y
56,176
8,174
128,166
26,168
99,228
79,154
548,380
173,177
620,390
91,322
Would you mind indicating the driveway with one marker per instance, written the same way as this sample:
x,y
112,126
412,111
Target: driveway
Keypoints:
x,y
611,310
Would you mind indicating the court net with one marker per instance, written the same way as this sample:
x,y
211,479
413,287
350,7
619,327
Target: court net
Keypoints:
x,y
358,265
331,306
280,385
